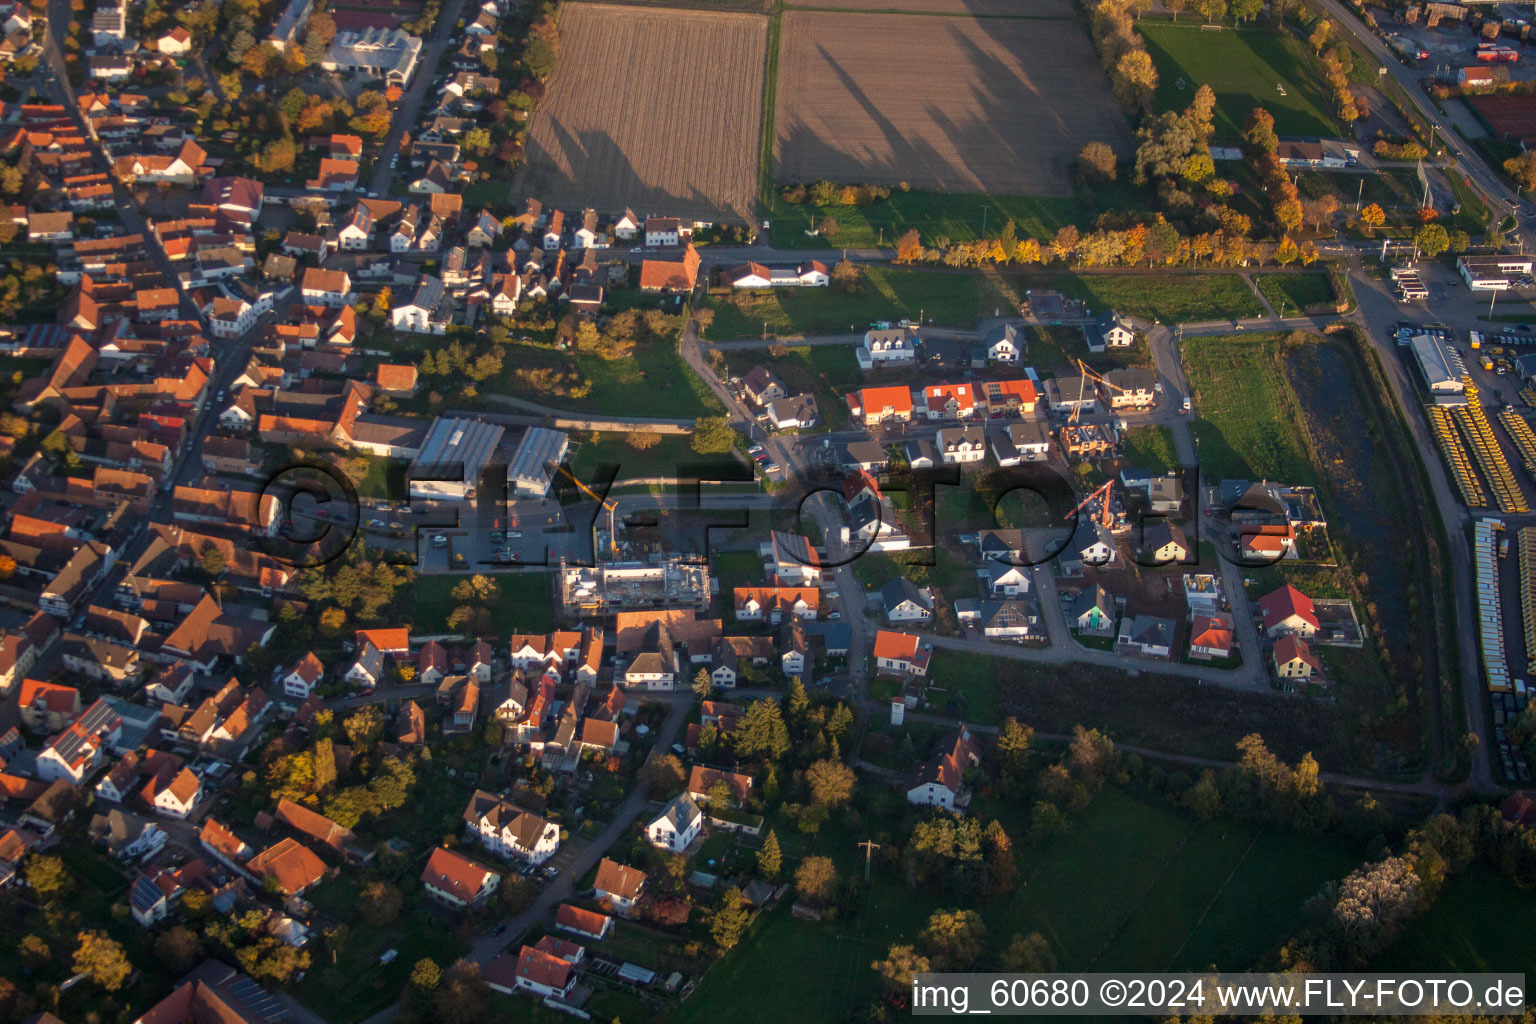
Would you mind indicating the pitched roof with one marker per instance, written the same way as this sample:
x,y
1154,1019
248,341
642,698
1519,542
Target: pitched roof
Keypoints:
x,y
701,779
619,879
456,875
947,767
1290,648
589,922
542,968
291,863
1279,605
895,646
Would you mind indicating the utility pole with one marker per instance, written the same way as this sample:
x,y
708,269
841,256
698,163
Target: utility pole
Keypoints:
x,y
870,846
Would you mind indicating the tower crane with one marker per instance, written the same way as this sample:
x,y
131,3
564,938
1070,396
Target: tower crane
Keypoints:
x,y
1105,516
609,506
1085,375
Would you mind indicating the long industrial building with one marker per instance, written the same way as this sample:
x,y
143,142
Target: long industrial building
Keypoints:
x,y
534,462
451,458
1490,612
1441,366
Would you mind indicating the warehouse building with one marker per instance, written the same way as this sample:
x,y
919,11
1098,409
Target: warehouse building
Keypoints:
x,y
1440,365
534,462
451,458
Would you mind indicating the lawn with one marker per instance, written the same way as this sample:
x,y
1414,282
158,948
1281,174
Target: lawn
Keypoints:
x,y
887,293
523,607
608,448
1246,68
1151,448
1291,294
827,371
939,215
1247,424
1479,922
1172,298
1392,188
654,382
1132,885
969,688
358,986
959,300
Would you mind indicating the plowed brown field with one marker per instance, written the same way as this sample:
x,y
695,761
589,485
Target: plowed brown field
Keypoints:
x,y
962,104
657,110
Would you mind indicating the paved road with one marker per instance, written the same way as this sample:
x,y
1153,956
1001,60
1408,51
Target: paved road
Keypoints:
x,y
410,104
1468,163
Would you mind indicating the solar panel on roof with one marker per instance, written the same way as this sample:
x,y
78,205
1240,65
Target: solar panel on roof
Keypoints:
x,y
145,894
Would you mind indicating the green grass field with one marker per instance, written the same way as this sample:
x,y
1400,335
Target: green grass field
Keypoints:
x,y
1246,422
960,300
1151,447
1131,886
1392,188
654,382
523,607
1171,297
1479,922
887,293
1244,67
938,216
1296,291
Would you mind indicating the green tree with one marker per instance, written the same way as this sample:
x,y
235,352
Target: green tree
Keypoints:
x,y
1522,168
325,765
103,959
48,878
1373,216
729,920
900,966
1096,161
954,939
770,860
816,879
364,726
539,57
179,949
426,976
212,562
1014,741
1211,10
762,732
1029,954
664,775
712,435
798,701
831,782
1246,10
703,685
1432,240
380,904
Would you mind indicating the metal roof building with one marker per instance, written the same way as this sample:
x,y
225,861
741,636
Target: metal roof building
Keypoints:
x,y
532,465
452,456
1440,364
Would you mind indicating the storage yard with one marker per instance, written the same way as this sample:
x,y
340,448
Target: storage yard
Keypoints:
x,y
856,104
634,117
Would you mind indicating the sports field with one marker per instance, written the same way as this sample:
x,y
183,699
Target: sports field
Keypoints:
x,y
961,104
635,118
1247,68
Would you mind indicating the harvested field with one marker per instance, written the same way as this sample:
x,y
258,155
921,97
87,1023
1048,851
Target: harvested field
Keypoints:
x,y
1509,117
996,105
637,117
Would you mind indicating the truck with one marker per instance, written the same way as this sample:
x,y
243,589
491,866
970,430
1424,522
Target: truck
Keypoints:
x,y
1486,363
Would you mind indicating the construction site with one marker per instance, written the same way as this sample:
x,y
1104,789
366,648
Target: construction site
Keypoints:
x,y
611,587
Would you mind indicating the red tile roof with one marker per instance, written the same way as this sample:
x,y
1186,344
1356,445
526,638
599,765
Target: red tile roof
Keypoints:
x,y
455,875
1279,605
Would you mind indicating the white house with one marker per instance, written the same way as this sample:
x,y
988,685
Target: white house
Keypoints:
x,y
367,668
177,799
939,781
300,681
509,831
618,884
677,826
887,347
321,287
457,881
907,602
1003,344
962,444
429,311
663,232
